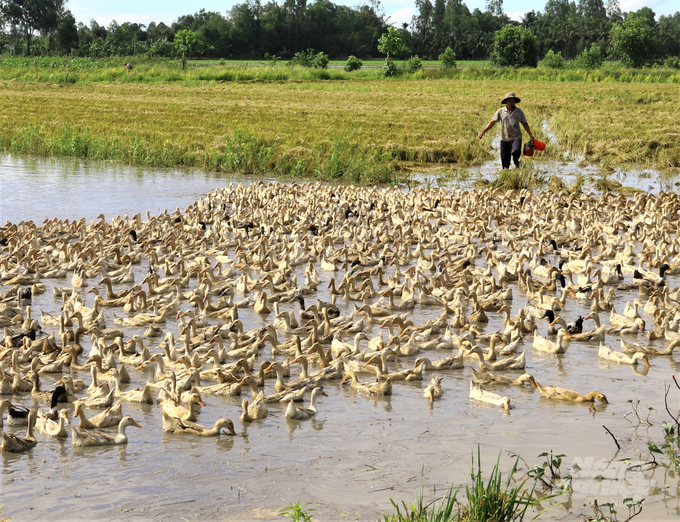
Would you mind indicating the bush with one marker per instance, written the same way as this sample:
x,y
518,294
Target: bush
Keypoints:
x,y
448,58
309,59
672,62
632,42
271,58
303,58
590,59
389,69
514,46
553,60
414,64
320,61
353,64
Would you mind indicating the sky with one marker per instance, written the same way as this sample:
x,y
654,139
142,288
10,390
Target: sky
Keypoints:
x,y
399,11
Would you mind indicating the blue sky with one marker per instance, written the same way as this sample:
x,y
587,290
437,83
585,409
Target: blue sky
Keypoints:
x,y
104,11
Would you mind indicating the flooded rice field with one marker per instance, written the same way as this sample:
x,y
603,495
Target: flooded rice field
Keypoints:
x,y
359,451
39,188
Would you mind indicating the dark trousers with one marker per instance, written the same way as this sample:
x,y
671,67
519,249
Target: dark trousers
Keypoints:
x,y
511,149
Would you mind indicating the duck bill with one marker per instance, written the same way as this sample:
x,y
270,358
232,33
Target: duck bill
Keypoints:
x,y
135,424
200,402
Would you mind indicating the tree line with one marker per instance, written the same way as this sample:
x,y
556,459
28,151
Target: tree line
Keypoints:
x,y
253,30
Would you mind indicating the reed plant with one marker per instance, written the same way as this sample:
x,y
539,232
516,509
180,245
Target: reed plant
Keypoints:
x,y
497,500
492,500
297,512
438,510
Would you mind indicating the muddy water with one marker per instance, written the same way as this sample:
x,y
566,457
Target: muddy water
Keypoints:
x,y
358,453
34,188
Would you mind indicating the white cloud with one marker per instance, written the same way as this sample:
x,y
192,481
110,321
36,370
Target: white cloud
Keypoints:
x,y
517,15
633,5
658,6
399,17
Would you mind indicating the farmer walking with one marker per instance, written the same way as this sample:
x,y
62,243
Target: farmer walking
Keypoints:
x,y
510,117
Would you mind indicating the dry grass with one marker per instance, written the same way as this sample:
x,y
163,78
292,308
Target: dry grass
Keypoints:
x,y
621,123
330,129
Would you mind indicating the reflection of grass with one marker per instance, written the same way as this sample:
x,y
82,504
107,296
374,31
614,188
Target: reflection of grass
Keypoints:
x,y
557,184
668,175
606,185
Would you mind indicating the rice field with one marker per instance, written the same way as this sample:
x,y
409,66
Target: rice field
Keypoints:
x,y
364,131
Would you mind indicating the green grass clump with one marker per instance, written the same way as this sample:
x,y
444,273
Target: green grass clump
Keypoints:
x,y
441,510
522,178
496,500
297,512
491,500
438,510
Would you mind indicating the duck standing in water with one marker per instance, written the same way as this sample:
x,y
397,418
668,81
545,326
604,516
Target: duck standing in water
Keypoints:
x,y
383,260
13,444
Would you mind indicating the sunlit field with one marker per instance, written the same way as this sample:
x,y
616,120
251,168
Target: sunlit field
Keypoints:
x,y
363,130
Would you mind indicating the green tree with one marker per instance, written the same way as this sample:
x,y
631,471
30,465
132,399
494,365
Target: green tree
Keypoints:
x,y
669,35
495,7
514,46
590,58
66,36
632,42
553,60
187,43
391,43
448,58
613,9
32,16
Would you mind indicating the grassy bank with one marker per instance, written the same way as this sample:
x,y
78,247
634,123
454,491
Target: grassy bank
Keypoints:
x,y
154,71
360,131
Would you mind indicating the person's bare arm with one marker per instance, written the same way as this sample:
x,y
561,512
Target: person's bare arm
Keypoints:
x,y
487,128
528,129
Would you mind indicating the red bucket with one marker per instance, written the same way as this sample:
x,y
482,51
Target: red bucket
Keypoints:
x,y
539,145
528,149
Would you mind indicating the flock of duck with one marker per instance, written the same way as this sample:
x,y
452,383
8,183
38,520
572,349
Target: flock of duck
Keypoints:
x,y
267,248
